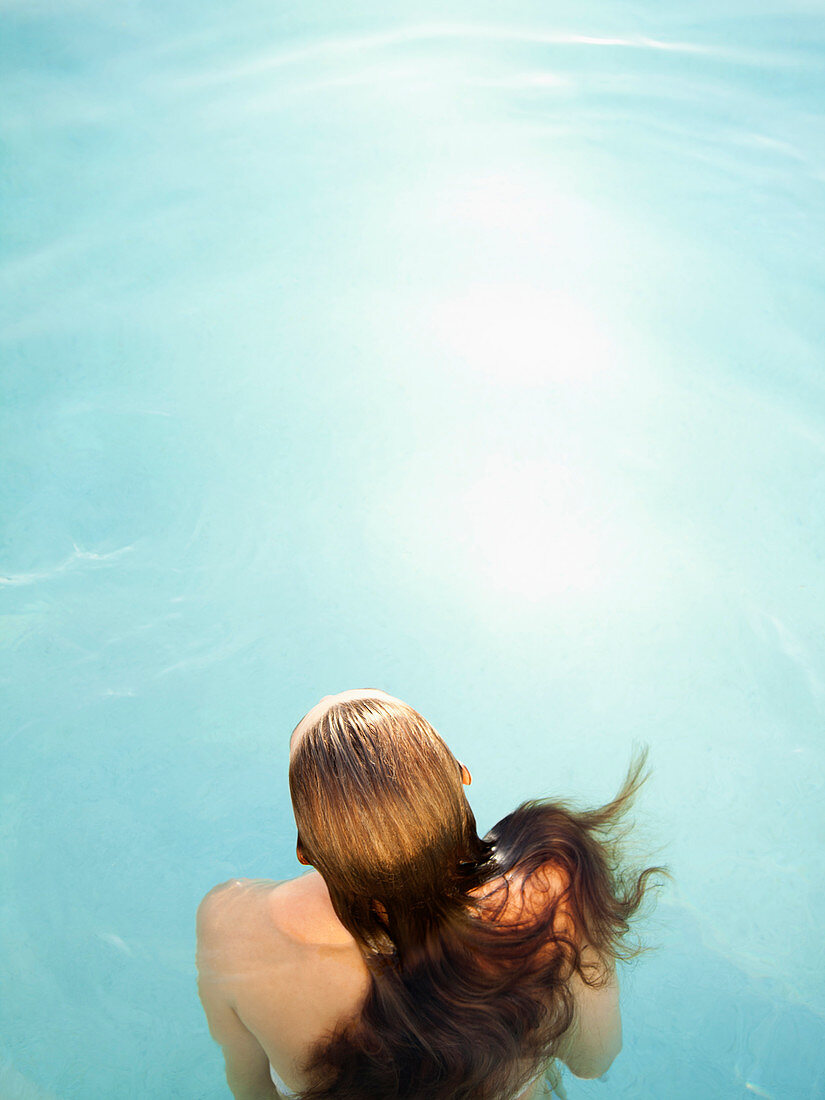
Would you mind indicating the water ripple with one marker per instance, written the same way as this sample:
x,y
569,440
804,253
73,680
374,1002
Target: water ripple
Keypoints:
x,y
336,47
18,580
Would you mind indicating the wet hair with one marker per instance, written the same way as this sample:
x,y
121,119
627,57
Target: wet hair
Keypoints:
x,y
470,972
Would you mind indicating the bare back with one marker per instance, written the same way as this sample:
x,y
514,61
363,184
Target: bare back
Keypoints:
x,y
279,956
278,972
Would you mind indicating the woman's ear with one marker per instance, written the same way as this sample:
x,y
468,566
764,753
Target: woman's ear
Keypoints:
x,y
466,778
299,852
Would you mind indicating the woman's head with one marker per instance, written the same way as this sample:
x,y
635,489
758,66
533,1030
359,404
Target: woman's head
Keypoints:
x,y
459,1004
381,813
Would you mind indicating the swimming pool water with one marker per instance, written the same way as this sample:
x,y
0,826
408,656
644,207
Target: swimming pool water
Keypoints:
x,y
470,352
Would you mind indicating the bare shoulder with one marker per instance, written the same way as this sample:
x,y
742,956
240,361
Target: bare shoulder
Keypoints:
x,y
239,914
231,920
551,880
516,895
228,901
302,910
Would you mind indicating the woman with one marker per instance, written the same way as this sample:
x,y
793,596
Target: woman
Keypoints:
x,y
417,960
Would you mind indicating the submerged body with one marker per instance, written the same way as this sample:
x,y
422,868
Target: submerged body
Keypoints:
x,y
278,971
459,967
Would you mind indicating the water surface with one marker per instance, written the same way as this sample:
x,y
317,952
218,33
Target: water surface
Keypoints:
x,y
467,353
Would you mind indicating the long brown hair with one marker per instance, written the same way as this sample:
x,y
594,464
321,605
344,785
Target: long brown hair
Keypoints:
x,y
469,994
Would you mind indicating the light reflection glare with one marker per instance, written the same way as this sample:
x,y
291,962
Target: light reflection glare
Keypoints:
x,y
522,335
535,531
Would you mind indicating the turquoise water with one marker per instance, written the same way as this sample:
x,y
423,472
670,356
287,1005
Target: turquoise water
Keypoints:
x,y
470,352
